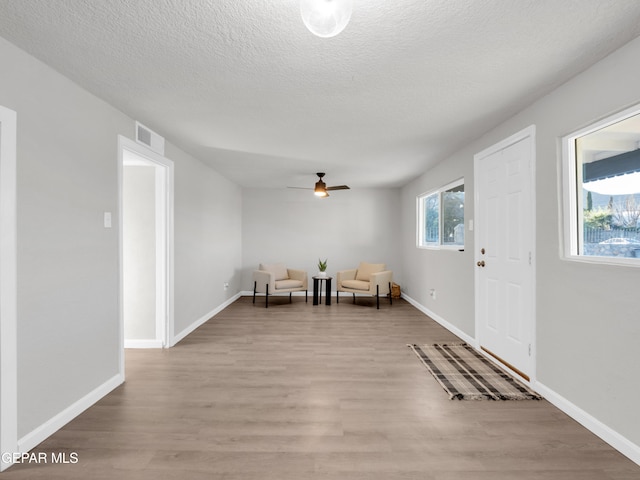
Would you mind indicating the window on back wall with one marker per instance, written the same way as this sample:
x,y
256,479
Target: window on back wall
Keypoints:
x,y
441,217
602,190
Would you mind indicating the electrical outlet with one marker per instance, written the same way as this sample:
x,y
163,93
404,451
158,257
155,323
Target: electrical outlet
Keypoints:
x,y
432,293
226,285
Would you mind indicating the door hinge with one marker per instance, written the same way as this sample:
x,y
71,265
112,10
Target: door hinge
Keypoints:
x,y
529,258
529,349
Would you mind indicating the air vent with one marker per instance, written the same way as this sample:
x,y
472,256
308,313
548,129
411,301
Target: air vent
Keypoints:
x,y
149,138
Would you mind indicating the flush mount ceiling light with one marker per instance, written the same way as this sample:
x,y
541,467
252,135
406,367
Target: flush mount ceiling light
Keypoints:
x,y
326,18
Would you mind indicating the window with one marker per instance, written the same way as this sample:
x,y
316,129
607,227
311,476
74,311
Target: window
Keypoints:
x,y
602,190
441,217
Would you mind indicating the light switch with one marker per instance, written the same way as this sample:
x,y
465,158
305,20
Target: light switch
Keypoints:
x,y
107,219
471,225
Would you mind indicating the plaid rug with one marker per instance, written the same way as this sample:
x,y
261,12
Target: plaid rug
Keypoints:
x,y
467,375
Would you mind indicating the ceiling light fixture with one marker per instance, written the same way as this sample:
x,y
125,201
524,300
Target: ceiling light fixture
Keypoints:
x,y
326,18
320,189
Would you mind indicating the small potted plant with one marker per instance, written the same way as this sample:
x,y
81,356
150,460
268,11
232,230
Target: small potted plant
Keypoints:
x,y
322,268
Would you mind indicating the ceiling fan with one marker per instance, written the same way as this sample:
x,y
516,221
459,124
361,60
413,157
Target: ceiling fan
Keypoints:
x,y
320,189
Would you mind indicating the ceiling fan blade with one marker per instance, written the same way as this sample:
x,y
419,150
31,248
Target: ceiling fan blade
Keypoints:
x,y
339,187
302,188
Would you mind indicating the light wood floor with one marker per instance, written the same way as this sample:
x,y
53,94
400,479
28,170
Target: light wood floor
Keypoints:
x,y
297,392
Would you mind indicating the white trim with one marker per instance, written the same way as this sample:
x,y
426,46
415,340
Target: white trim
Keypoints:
x,y
162,305
8,286
528,132
596,260
48,428
164,326
606,433
571,202
128,343
420,241
567,191
449,326
204,319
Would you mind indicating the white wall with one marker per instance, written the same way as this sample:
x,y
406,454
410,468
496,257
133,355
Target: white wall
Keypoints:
x,y
297,228
68,265
449,272
68,333
208,240
587,315
139,252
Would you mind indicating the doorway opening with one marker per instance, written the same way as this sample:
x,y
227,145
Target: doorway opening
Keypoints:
x,y
146,247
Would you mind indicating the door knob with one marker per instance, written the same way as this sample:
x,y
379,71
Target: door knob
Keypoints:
x,y
481,263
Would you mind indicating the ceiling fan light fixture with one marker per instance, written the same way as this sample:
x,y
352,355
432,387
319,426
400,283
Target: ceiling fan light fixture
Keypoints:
x,y
320,189
326,18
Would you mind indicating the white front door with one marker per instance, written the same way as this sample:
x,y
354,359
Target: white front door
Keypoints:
x,y
504,242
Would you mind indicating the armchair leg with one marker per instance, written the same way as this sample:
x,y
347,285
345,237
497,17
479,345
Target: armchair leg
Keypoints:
x,y
305,295
378,297
354,298
254,291
266,298
390,295
290,293
337,296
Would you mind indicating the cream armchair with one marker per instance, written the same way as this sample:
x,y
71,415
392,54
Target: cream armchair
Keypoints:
x,y
368,279
276,278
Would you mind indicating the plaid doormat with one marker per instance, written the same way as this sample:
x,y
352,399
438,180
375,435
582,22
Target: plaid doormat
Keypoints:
x,y
467,375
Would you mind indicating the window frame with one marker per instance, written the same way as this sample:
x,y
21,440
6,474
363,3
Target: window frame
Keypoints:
x,y
572,222
420,220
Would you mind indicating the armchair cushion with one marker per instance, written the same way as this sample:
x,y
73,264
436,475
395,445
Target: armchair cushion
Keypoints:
x,y
288,283
279,270
366,269
356,285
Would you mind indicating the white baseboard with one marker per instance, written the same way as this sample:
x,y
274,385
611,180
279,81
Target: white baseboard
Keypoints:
x,y
202,320
54,424
613,438
142,343
452,328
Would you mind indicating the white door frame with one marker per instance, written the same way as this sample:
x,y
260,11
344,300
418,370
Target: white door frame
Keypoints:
x,y
165,274
8,289
529,132
159,340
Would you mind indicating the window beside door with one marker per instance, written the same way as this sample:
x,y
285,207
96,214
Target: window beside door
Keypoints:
x,y
441,217
602,190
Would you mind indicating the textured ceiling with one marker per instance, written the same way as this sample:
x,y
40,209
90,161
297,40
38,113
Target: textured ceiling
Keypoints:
x,y
242,85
